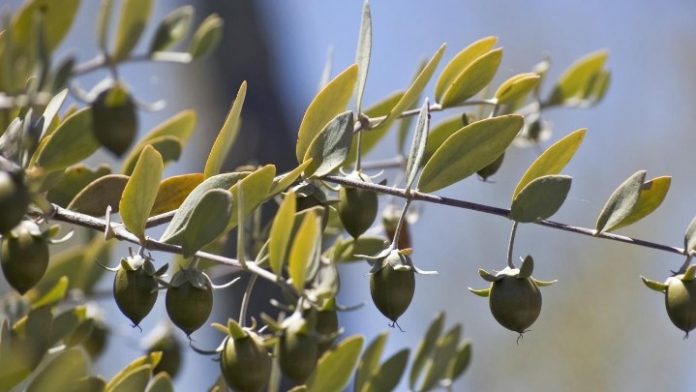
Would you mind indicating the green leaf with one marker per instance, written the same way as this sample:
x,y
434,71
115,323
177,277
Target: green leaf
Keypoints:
x,y
169,147
326,105
445,350
104,23
131,23
89,384
553,160
303,249
516,88
417,86
621,202
208,220
176,226
405,123
460,362
70,143
54,295
369,362
462,60
134,380
420,137
425,348
389,374
280,232
374,135
347,250
172,29
469,150
362,55
484,293
151,360
690,237
162,382
61,371
540,199
173,191
100,193
141,191
57,17
472,79
335,367
75,178
206,37
227,136
180,127
255,188
51,111
330,147
576,81
439,133
652,193
283,181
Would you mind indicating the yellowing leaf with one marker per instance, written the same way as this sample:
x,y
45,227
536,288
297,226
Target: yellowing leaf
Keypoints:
x,y
461,61
469,150
304,248
174,190
141,191
227,135
652,193
553,160
516,88
472,79
280,232
328,103
132,21
576,81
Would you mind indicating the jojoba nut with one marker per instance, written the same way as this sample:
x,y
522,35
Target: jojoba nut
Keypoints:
x,y
24,257
189,300
135,291
392,290
298,351
114,119
515,302
14,200
680,301
245,363
357,208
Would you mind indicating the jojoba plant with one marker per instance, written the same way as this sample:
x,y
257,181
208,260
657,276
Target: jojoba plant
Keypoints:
x,y
322,218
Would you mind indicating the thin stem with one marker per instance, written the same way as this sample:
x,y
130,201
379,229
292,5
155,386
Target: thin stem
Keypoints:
x,y
245,300
511,244
503,212
400,224
358,153
686,264
98,62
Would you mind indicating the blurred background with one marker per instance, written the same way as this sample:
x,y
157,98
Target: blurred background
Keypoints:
x,y
600,328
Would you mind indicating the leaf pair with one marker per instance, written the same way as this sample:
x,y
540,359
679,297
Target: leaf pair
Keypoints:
x,y
585,82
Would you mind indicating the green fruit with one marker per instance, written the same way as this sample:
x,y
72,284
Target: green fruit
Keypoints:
x,y
515,302
245,363
115,119
24,257
298,351
135,289
189,300
14,200
170,348
680,300
392,290
357,208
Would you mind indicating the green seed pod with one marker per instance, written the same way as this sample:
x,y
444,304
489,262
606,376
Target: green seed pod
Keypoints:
x,y
162,339
327,328
24,256
393,285
298,350
114,119
14,200
189,300
135,288
515,302
492,168
680,300
357,207
245,363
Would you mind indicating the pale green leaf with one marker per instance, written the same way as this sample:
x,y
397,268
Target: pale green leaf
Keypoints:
x,y
328,103
104,23
169,147
134,380
255,188
472,79
690,237
425,348
369,363
72,142
540,199
516,88
362,55
280,232
469,150
131,24
347,250
61,371
553,160
652,193
420,137
172,29
389,373
206,37
445,350
405,122
460,362
330,147
461,61
141,191
227,135
97,195
335,367
417,86
621,202
576,81
207,221
303,249
56,17
54,295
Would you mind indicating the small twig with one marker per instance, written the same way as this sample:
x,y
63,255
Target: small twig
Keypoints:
x,y
399,225
246,299
511,244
